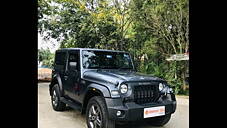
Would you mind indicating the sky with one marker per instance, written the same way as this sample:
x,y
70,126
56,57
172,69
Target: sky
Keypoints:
x,y
52,44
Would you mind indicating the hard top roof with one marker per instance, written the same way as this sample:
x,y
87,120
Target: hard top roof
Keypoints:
x,y
70,49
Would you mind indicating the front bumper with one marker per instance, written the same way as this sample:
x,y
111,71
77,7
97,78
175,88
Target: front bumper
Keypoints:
x,y
132,111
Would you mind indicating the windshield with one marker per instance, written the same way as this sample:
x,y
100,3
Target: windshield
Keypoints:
x,y
106,60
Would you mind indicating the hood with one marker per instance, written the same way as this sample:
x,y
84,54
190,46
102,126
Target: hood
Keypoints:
x,y
116,76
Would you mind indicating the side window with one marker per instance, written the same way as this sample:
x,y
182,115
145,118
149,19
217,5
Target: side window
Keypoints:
x,y
60,60
74,57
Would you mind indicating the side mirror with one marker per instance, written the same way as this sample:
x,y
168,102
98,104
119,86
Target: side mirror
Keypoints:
x,y
73,65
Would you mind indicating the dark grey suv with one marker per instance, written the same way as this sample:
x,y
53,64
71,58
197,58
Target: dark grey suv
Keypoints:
x,y
104,85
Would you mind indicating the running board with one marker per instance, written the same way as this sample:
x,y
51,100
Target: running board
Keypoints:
x,y
73,105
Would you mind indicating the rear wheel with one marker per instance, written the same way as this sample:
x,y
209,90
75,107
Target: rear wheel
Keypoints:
x,y
160,120
55,99
97,114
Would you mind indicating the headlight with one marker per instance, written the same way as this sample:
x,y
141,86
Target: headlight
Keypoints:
x,y
161,86
123,88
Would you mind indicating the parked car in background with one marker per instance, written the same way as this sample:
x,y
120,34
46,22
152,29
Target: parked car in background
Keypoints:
x,y
44,73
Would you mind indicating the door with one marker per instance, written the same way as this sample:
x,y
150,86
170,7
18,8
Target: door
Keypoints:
x,y
72,75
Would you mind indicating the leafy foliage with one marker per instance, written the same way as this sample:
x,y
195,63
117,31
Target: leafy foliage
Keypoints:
x,y
46,57
151,30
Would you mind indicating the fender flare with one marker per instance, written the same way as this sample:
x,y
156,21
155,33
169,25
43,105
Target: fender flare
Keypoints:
x,y
102,89
57,78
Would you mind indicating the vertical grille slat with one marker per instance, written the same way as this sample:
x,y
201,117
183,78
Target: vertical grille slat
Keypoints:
x,y
145,94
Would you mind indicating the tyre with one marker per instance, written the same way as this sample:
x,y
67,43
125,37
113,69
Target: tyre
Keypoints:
x,y
159,121
55,99
97,114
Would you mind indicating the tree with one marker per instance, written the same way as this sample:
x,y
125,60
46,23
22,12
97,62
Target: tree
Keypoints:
x,y
161,29
167,21
80,24
151,30
45,56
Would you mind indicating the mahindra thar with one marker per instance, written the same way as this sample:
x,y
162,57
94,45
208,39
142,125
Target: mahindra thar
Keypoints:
x,y
104,85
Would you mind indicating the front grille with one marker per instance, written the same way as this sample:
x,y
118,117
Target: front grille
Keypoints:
x,y
145,94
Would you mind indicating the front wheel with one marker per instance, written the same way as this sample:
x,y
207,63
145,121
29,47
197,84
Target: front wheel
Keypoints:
x,y
159,121
97,114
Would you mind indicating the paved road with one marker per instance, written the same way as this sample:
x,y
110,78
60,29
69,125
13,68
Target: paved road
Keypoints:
x,y
48,118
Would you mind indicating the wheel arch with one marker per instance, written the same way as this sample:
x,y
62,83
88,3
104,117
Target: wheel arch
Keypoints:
x,y
94,90
56,80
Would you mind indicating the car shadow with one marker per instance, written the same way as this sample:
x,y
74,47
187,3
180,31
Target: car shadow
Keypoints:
x,y
67,108
134,124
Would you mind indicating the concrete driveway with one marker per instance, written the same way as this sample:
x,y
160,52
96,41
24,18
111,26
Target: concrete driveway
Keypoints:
x,y
48,118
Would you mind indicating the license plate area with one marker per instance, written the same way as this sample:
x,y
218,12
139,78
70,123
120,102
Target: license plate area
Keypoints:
x,y
154,111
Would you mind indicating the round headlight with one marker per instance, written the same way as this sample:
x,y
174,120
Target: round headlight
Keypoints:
x,y
123,88
161,86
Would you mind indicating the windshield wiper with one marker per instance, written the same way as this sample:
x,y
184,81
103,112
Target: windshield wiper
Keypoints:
x,y
120,68
101,68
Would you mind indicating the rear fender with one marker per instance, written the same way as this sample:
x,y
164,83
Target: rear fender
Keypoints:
x,y
56,80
